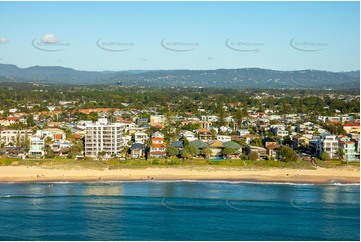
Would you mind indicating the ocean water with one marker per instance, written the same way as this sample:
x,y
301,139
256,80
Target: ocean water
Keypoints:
x,y
179,210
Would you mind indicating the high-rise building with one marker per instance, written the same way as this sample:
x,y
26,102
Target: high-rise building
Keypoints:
x,y
102,137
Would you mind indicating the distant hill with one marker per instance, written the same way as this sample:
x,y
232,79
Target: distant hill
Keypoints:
x,y
220,78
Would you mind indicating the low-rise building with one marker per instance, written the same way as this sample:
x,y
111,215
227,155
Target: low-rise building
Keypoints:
x,y
188,135
351,128
328,143
15,137
223,138
137,150
37,147
204,134
141,137
61,146
157,148
300,141
349,150
157,120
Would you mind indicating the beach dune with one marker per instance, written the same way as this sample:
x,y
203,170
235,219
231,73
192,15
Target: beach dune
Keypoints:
x,y
45,173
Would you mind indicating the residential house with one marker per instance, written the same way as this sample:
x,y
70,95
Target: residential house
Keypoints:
x,y
137,150
268,141
249,138
301,127
272,151
351,128
188,135
328,143
141,137
216,148
233,145
200,144
142,121
157,147
204,134
281,132
209,118
300,141
262,152
61,146
243,132
157,120
178,145
223,138
37,147
349,150
54,133
355,138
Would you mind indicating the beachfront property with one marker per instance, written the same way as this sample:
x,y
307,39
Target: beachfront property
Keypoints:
x,y
101,137
137,150
37,147
349,151
328,143
216,148
60,146
15,137
157,147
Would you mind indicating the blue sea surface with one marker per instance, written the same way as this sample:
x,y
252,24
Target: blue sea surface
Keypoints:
x,y
179,210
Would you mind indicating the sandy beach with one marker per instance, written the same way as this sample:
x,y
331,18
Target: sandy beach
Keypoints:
x,y
46,173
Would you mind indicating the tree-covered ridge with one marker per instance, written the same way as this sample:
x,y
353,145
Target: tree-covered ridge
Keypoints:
x,y
221,78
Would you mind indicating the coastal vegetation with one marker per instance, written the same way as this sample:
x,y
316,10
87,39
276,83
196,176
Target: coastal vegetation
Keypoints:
x,y
63,162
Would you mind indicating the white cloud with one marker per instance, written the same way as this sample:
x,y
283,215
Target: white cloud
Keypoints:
x,y
3,40
49,38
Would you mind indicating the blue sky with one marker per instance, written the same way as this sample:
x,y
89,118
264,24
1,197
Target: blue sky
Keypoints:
x,y
181,35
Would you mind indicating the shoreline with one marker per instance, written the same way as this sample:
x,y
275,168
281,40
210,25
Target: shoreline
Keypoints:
x,y
22,174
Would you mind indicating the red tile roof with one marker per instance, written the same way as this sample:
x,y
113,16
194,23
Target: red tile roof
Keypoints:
x,y
157,138
204,130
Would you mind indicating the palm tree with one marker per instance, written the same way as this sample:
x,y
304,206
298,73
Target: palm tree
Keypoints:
x,y
340,153
207,152
124,152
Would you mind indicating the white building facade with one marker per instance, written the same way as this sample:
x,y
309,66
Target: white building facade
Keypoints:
x,y
104,138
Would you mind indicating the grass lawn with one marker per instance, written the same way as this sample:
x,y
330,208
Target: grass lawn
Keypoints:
x,y
63,162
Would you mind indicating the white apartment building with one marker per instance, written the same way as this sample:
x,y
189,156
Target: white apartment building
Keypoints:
x,y
15,137
328,143
103,137
37,147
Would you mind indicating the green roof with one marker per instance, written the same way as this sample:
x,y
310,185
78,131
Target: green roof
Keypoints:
x,y
232,144
199,144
